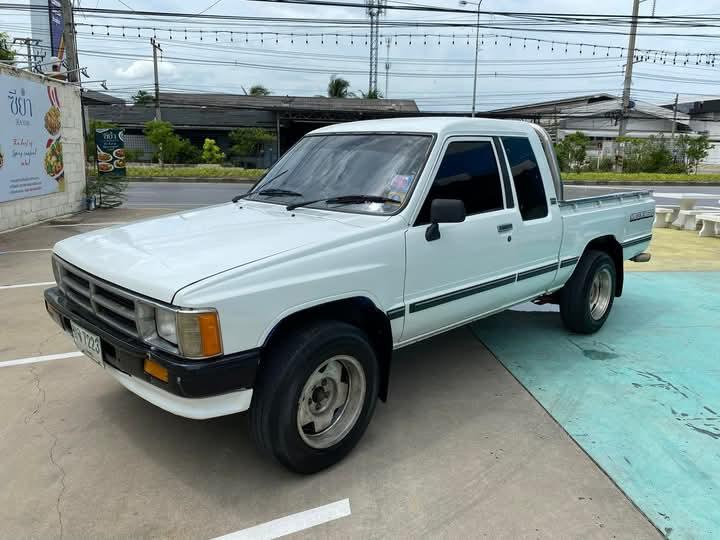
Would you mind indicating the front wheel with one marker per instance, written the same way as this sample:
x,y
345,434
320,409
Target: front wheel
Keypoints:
x,y
587,298
315,395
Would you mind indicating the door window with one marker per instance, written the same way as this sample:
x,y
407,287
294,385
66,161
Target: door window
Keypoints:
x,y
468,172
526,177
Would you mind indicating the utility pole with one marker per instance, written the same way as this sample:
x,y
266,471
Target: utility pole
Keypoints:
x,y
69,42
677,96
31,58
387,68
158,115
622,129
156,48
477,48
374,9
629,69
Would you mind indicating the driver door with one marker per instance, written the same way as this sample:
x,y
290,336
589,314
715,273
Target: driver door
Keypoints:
x,y
467,271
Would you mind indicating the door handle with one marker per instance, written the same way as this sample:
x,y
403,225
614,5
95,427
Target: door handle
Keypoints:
x,y
505,227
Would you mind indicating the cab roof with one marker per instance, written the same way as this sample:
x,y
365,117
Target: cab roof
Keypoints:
x,y
433,125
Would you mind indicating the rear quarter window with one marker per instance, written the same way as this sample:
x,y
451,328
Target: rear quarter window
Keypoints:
x,y
527,179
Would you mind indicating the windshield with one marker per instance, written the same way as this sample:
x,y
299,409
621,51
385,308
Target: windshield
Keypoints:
x,y
336,165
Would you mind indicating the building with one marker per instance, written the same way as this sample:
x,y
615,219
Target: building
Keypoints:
x,y
210,115
549,113
704,116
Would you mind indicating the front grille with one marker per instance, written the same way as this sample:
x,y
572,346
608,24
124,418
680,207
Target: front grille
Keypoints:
x,y
110,304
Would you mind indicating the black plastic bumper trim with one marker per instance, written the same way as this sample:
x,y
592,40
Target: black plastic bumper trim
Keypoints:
x,y
187,378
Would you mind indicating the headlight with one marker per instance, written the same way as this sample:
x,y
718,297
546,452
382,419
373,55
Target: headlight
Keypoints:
x,y
166,325
195,333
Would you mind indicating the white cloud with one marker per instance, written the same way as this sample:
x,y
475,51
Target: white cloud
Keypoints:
x,y
143,69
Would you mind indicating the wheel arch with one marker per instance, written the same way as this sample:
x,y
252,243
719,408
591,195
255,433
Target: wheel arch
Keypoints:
x,y
610,245
358,311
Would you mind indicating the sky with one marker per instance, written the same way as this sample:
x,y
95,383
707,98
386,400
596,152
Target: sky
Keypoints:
x,y
435,71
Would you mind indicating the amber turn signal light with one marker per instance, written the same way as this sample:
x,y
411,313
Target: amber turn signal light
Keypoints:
x,y
151,367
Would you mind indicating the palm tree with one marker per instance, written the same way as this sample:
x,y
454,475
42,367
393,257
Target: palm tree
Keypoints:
x,y
338,87
371,94
259,90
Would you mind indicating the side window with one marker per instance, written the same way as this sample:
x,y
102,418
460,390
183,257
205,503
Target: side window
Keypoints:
x,y
468,172
527,178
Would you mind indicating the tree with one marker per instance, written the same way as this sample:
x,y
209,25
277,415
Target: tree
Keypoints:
x,y
162,135
187,152
249,141
259,90
371,94
572,151
211,152
698,149
142,98
6,53
338,87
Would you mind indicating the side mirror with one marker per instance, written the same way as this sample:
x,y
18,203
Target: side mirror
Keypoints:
x,y
444,211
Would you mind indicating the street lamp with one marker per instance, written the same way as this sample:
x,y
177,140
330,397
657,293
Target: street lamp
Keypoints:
x,y
477,46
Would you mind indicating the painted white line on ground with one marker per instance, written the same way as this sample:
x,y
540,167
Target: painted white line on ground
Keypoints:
x,y
293,523
23,285
86,224
23,251
36,359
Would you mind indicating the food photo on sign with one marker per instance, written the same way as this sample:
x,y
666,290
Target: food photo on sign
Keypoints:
x,y
110,143
31,148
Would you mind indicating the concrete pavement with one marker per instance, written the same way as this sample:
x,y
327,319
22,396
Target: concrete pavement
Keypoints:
x,y
460,450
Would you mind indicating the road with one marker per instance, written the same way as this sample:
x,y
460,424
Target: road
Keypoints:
x,y
192,195
180,195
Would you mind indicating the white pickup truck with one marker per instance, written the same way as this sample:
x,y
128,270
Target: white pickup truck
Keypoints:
x,y
363,238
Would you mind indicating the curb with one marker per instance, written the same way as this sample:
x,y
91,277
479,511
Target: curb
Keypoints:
x,y
636,183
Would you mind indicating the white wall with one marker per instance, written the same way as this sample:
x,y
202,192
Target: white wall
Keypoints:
x,y
709,123
647,126
31,210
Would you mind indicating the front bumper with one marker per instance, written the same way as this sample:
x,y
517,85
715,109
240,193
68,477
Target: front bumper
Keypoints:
x,y
195,388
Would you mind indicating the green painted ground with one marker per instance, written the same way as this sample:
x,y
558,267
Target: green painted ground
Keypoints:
x,y
642,396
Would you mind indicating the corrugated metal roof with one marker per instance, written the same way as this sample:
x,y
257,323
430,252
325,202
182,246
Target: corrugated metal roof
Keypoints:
x,y
550,105
192,117
284,103
603,107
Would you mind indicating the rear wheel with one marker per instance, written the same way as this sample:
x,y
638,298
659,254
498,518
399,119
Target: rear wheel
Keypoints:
x,y
315,395
587,298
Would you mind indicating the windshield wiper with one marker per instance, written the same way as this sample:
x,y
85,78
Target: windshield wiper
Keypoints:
x,y
345,199
269,191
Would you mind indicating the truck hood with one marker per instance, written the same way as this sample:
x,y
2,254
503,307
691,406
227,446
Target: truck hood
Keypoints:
x,y
159,256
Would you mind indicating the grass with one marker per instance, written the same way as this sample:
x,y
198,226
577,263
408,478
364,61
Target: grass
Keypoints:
x,y
639,177
206,171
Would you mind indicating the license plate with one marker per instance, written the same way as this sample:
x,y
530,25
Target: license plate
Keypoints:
x,y
87,342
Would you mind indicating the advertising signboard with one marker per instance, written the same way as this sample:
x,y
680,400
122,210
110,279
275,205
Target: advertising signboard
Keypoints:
x,y
31,152
110,143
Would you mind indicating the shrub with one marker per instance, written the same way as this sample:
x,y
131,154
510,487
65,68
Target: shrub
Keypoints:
x,y
211,152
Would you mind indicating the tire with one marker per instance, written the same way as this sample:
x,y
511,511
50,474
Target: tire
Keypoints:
x,y
317,363
587,298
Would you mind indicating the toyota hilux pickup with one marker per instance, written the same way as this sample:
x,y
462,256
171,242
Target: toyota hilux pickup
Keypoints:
x,y
365,237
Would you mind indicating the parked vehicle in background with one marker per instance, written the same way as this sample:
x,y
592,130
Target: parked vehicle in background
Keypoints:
x,y
364,238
